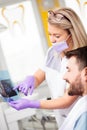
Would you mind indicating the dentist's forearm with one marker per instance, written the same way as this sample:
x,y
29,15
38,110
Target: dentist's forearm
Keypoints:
x,y
39,77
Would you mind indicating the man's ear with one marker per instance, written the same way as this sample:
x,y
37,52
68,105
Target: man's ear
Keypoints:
x,y
86,74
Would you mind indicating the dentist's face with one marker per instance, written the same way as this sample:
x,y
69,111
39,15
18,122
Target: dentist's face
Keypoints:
x,y
57,35
73,77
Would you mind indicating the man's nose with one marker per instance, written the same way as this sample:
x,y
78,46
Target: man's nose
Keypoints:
x,y
64,77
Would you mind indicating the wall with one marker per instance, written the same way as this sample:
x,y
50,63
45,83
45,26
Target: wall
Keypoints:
x,y
80,6
21,42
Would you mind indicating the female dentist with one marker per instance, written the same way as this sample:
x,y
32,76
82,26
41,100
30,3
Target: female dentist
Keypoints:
x,y
66,33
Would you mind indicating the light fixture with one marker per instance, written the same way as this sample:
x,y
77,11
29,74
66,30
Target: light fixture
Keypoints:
x,y
47,4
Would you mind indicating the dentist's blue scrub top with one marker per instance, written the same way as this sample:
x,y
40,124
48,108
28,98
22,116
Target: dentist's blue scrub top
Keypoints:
x,y
81,123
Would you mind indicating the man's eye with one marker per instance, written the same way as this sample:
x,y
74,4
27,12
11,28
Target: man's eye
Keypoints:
x,y
68,70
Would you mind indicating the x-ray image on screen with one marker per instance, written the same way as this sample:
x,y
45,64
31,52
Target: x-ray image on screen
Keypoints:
x,y
6,88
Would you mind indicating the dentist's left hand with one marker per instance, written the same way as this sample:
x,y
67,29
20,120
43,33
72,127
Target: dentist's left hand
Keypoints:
x,y
24,103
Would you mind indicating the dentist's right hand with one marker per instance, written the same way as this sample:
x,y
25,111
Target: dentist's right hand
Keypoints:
x,y
24,103
27,85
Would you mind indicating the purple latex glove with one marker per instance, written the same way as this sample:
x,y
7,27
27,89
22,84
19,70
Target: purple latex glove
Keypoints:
x,y
27,85
24,103
59,47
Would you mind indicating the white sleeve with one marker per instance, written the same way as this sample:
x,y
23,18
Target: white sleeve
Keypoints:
x,y
42,67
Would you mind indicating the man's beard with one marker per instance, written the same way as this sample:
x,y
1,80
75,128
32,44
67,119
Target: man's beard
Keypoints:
x,y
76,88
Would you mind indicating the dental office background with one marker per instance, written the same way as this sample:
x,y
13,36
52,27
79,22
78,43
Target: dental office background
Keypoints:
x,y
23,34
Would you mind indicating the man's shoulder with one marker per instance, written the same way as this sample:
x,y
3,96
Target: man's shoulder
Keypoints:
x,y
81,122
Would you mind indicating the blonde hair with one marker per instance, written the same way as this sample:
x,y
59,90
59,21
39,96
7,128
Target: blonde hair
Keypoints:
x,y
67,19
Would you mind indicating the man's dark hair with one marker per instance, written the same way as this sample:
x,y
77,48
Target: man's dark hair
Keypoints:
x,y
81,56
